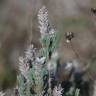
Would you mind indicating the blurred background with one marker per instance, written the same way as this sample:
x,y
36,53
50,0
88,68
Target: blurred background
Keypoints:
x,y
19,27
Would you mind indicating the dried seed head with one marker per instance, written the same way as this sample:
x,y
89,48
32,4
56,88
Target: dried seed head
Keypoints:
x,y
69,36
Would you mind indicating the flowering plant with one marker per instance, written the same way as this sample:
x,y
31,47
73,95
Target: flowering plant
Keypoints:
x,y
38,67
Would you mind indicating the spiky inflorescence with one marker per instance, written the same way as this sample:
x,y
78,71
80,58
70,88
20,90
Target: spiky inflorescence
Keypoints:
x,y
44,25
23,67
43,20
45,28
25,62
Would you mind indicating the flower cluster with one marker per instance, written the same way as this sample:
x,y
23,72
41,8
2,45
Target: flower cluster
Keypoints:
x,y
45,27
25,62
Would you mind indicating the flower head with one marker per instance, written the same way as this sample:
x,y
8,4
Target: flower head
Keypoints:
x,y
24,62
57,91
23,67
45,27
